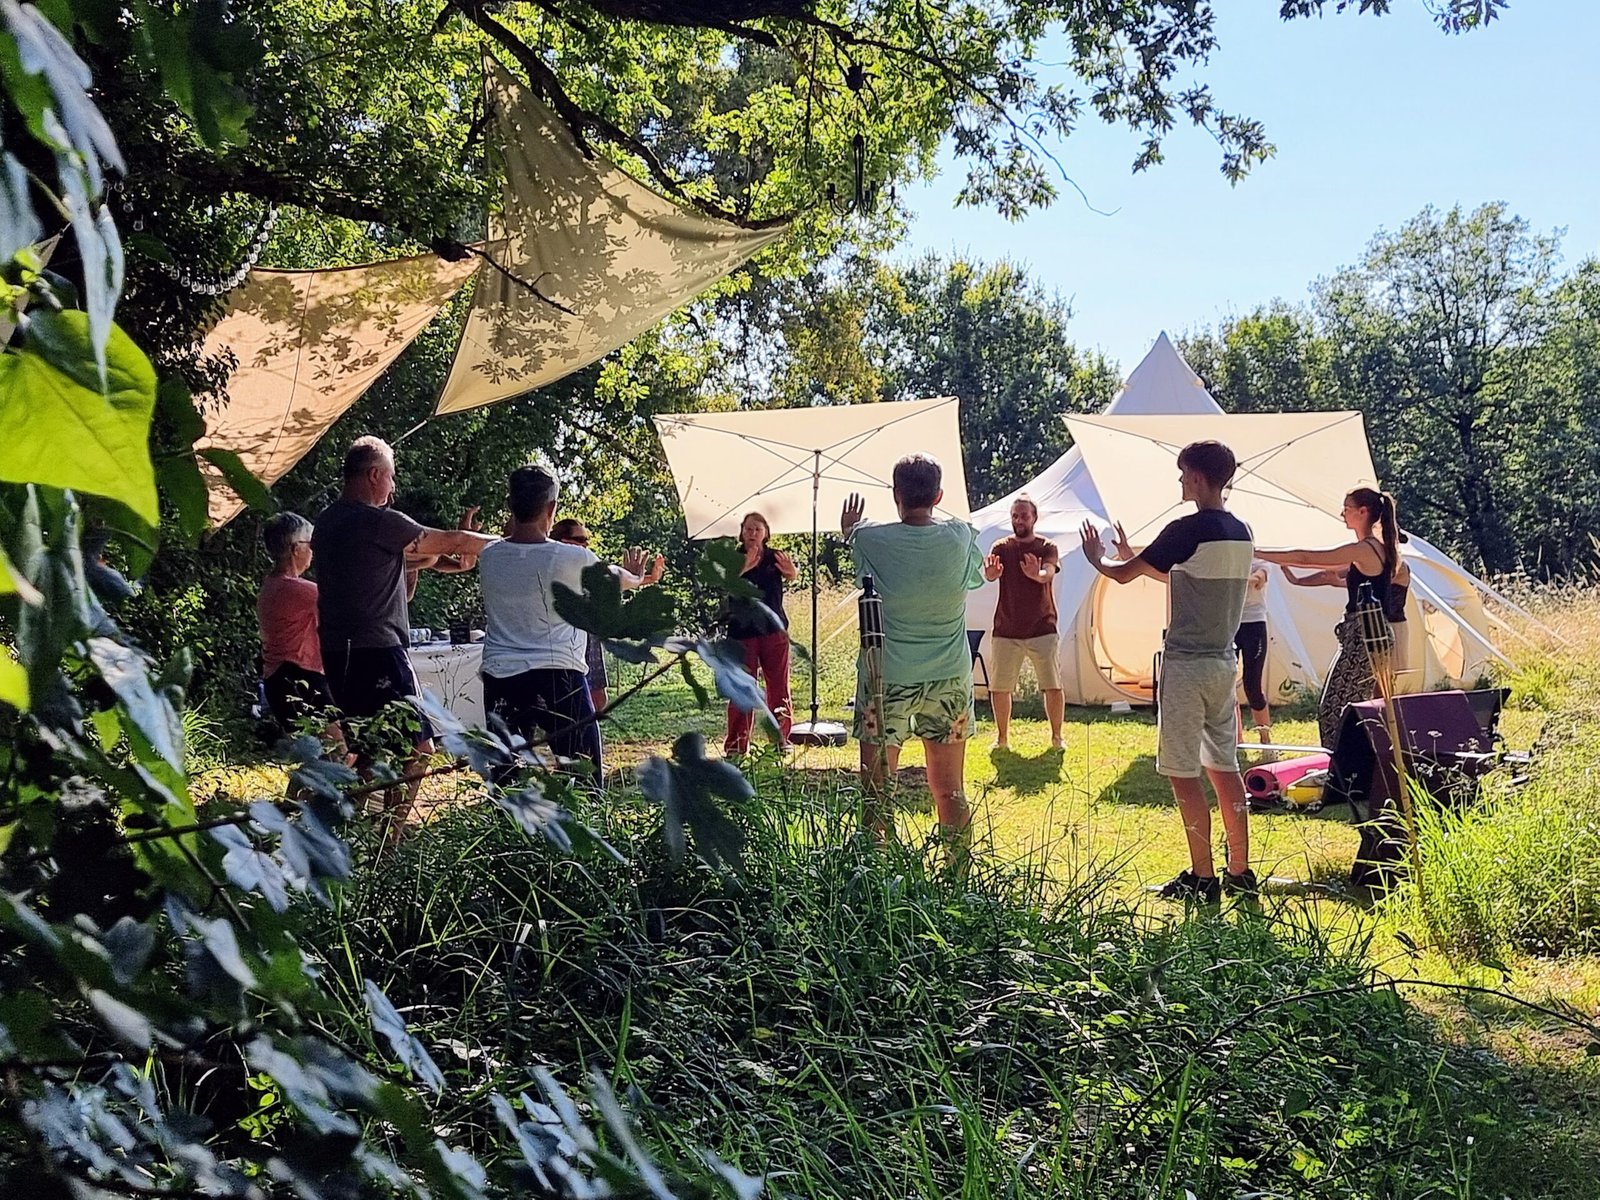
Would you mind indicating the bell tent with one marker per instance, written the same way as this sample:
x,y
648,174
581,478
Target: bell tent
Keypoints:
x,y
1110,633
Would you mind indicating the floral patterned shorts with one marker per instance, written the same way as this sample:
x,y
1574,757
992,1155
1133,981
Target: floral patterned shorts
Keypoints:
x,y
940,711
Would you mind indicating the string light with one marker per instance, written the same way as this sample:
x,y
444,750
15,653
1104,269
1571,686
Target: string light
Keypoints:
x,y
202,287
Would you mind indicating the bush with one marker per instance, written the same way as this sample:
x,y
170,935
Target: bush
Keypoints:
x,y
853,1024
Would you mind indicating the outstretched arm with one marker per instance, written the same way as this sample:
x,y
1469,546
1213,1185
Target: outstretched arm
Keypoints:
x,y
1121,571
449,541
1356,554
1330,578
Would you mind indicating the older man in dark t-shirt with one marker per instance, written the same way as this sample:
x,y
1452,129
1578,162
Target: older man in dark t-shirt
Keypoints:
x,y
1025,619
365,552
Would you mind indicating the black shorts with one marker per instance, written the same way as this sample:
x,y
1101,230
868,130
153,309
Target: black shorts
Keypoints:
x,y
295,694
554,701
365,679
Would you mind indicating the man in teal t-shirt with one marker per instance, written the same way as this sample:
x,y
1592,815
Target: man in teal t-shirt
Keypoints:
x,y
923,568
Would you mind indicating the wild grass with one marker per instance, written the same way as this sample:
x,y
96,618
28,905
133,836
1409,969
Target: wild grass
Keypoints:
x,y
851,1023
1520,871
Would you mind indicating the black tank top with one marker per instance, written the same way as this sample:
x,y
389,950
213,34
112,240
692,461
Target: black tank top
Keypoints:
x,y
1380,582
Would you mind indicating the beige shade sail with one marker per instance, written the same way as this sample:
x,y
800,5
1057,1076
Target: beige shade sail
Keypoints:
x,y
726,464
308,344
1294,471
591,258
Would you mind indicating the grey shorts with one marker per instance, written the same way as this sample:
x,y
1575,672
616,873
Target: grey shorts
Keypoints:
x,y
1198,721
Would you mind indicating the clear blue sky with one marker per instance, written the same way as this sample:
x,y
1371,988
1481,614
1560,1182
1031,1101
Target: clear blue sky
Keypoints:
x,y
1373,118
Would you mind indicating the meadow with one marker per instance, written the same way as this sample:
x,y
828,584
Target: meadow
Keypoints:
x,y
848,1022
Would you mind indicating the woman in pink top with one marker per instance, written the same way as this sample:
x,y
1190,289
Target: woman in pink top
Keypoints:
x,y
291,656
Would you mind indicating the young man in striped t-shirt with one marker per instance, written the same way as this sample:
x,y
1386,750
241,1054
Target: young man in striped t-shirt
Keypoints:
x,y
1205,560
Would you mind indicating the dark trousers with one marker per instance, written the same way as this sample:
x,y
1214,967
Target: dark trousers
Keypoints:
x,y
1251,642
551,701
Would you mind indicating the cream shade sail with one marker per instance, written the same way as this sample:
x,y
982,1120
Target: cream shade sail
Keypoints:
x,y
1294,471
591,258
728,463
308,344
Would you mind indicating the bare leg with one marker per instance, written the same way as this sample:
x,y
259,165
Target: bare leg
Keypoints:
x,y
1263,723
1055,707
946,768
878,765
400,803
1196,812
1229,787
1001,703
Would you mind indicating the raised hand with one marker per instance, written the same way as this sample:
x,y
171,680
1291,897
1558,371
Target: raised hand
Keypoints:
x,y
633,560
470,519
1120,540
1093,549
993,567
1031,566
658,568
786,566
855,508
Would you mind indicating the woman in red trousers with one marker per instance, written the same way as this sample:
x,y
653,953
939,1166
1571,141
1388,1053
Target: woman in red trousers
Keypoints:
x,y
762,629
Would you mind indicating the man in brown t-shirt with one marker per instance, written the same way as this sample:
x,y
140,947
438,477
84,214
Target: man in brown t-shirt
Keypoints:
x,y
1025,618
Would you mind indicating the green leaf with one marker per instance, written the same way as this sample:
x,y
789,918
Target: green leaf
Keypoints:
x,y
175,403
245,485
688,787
13,683
182,483
58,428
600,609
127,1024
196,54
721,569
14,583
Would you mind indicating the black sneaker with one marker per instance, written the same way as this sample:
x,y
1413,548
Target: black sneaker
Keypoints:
x,y
1203,889
1242,884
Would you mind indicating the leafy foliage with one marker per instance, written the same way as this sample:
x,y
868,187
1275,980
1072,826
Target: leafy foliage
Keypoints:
x,y
1474,364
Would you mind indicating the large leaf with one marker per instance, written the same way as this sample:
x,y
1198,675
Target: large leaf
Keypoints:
x,y
245,485
688,787
600,609
721,568
13,682
185,487
56,426
388,1022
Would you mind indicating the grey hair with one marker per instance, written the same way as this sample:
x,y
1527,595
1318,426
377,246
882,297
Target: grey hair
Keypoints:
x,y
366,453
532,488
282,531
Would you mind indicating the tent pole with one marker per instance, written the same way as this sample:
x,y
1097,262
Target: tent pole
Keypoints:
x,y
816,488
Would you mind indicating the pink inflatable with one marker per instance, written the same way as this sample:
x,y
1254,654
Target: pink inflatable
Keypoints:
x,y
1269,780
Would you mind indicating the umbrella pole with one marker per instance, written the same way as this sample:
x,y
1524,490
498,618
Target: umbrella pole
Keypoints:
x,y
816,732
816,486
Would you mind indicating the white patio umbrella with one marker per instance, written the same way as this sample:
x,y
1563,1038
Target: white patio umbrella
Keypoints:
x,y
793,463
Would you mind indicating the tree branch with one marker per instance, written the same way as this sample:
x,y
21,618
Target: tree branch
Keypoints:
x,y
580,119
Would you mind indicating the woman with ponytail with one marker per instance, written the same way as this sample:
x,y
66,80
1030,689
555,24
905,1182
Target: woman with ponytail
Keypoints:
x,y
1372,560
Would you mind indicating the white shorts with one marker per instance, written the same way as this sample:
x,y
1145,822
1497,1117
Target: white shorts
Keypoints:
x,y
1042,652
1197,723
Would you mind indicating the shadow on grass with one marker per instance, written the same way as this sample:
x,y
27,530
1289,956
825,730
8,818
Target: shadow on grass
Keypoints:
x,y
1027,775
1138,784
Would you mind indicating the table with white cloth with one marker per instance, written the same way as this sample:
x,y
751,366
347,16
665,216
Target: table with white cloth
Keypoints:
x,y
451,675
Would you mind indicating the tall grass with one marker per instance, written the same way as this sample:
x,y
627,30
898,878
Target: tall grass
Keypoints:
x,y
854,1024
1520,871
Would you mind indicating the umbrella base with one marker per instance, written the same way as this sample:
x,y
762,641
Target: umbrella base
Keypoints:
x,y
818,733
